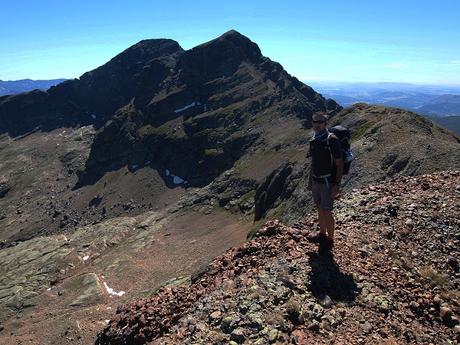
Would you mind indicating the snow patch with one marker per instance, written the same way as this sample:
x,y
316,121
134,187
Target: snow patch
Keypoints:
x,y
86,257
112,291
178,180
187,107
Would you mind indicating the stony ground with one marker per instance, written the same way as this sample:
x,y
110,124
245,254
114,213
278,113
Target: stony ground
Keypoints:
x,y
393,278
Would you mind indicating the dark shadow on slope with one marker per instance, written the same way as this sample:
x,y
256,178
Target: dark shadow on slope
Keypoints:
x,y
327,279
187,157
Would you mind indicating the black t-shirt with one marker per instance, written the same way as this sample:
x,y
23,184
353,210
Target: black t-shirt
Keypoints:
x,y
324,152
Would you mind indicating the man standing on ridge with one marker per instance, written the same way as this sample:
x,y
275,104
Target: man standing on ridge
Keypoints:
x,y
325,178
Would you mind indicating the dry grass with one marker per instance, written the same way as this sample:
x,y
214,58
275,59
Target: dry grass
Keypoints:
x,y
434,277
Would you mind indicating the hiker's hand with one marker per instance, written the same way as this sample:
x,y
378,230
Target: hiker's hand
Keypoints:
x,y
335,191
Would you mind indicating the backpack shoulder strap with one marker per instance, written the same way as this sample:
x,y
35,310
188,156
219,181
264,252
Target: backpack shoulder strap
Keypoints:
x,y
330,135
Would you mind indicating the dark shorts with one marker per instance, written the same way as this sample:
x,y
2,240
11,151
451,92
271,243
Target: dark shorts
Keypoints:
x,y
322,195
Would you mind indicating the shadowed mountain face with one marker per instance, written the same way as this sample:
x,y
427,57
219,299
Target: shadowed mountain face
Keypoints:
x,y
190,111
171,118
201,118
92,99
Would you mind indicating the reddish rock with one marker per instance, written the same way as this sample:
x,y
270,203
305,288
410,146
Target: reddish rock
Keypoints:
x,y
447,317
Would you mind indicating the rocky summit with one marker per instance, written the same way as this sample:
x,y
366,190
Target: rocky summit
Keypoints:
x,y
393,278
141,172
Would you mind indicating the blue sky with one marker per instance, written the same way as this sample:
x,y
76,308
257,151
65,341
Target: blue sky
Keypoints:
x,y
399,41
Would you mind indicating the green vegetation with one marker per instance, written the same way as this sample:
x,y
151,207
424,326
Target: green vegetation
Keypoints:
x,y
164,131
212,152
261,162
255,226
275,213
248,196
81,169
278,212
149,130
359,131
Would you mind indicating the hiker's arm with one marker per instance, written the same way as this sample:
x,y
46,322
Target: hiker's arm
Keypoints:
x,y
339,172
310,181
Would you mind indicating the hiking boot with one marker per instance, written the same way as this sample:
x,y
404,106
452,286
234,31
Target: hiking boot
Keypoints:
x,y
326,247
319,238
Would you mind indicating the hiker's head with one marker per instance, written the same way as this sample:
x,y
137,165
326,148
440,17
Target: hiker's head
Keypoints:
x,y
319,121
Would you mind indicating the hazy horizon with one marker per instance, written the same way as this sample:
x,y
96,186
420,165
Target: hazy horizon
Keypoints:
x,y
332,82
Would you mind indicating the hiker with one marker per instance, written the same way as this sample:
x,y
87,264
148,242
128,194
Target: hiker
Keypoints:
x,y
325,178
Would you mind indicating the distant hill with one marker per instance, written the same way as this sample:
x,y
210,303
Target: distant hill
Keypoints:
x,y
450,122
445,105
12,87
423,99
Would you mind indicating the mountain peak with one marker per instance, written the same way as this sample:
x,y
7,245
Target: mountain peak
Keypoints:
x,y
233,33
232,42
148,49
156,43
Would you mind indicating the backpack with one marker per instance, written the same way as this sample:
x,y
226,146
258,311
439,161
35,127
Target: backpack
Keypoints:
x,y
344,136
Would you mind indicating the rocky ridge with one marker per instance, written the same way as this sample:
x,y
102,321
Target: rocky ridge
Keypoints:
x,y
209,140
393,279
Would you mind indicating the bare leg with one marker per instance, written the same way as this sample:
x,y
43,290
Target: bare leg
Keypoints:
x,y
330,223
321,220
